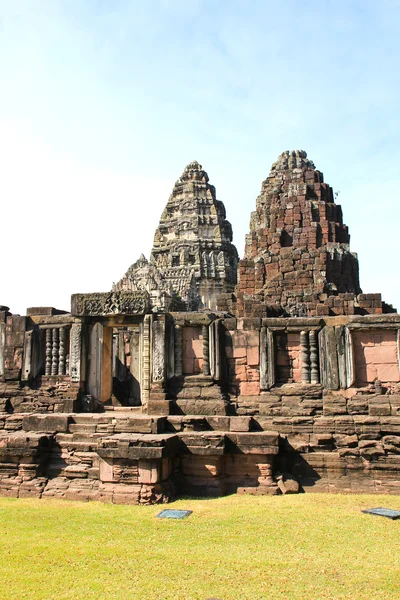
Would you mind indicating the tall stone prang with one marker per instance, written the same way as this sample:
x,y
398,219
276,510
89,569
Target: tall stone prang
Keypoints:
x,y
193,258
297,258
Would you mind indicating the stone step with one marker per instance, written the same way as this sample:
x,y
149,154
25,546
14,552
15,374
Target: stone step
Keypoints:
x,y
202,406
127,409
117,423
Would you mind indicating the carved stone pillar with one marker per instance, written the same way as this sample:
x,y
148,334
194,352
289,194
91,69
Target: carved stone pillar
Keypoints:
x,y
54,360
350,366
267,358
158,351
328,360
305,357
206,350
62,354
75,352
49,342
215,350
314,357
178,351
146,360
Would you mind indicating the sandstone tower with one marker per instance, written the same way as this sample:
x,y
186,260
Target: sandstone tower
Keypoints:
x,y
193,258
297,258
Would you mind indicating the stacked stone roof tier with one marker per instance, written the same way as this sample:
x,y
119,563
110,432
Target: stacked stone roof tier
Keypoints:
x,y
297,256
193,257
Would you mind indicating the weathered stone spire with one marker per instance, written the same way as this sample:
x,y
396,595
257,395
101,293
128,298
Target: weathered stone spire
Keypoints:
x,y
192,254
297,256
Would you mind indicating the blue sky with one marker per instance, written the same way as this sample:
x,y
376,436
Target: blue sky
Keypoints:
x,y
103,103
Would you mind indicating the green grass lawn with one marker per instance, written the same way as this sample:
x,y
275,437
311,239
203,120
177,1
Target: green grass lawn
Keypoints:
x,y
233,548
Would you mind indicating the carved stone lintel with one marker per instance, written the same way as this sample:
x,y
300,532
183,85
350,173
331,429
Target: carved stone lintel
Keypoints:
x,y
305,357
178,351
314,356
110,303
206,350
49,348
54,360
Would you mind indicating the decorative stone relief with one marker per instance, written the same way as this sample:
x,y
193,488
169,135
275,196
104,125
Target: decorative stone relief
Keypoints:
x,y
110,303
178,351
146,359
158,351
206,350
75,352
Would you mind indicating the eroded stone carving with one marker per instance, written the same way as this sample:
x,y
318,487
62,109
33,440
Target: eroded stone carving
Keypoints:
x,y
75,352
110,303
158,351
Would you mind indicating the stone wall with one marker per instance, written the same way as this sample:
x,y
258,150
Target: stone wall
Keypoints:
x,y
41,361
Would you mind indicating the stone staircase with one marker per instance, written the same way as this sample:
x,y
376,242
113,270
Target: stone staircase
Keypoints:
x,y
124,456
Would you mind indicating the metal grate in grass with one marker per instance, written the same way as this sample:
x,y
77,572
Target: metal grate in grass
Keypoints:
x,y
383,512
169,513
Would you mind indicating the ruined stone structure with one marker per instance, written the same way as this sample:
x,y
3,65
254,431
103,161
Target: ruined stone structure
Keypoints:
x,y
297,257
183,380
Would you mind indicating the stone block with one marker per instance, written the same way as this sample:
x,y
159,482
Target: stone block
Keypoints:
x,y
240,424
159,407
208,406
287,484
249,388
149,471
334,405
379,406
239,352
47,423
253,356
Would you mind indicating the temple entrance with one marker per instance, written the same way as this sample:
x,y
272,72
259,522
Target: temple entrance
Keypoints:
x,y
126,366
115,366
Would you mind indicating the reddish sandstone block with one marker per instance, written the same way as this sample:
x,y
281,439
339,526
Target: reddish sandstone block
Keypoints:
x,y
253,356
197,346
240,373
381,354
252,374
388,372
249,388
239,352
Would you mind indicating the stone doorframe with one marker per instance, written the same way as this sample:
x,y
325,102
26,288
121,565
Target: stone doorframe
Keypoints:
x,y
308,328
100,354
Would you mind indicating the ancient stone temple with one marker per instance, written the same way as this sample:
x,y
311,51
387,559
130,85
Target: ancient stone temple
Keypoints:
x,y
182,379
193,258
297,257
